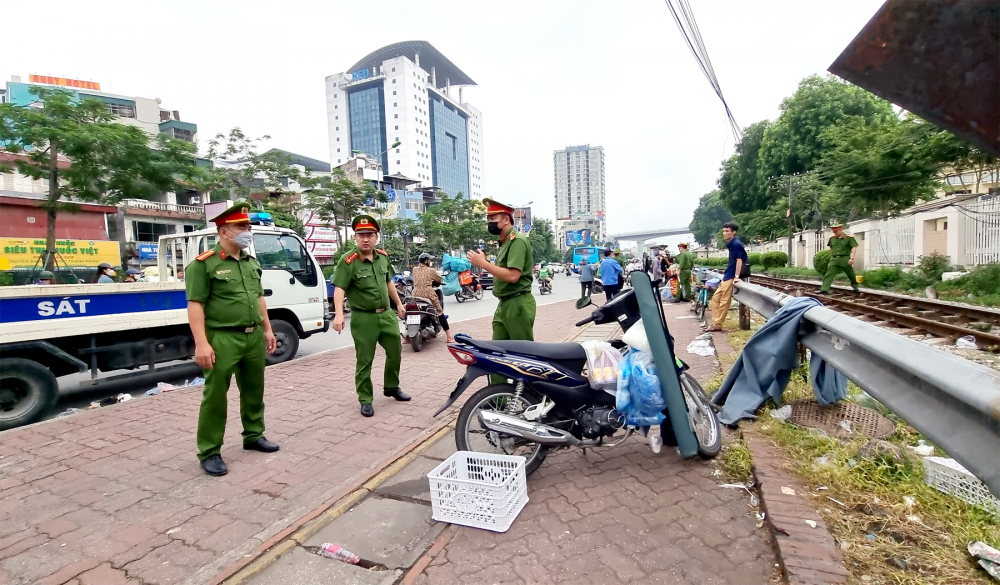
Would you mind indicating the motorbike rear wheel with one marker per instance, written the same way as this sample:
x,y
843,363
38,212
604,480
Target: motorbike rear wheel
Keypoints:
x,y
470,435
417,341
459,297
704,422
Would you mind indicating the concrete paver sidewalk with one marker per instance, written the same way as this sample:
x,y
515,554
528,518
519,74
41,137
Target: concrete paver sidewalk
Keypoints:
x,y
115,495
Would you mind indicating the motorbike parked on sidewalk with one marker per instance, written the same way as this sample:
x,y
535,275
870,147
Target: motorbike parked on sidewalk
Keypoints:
x,y
551,404
471,288
422,321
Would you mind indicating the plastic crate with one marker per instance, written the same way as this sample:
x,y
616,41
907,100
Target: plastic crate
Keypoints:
x,y
480,490
948,476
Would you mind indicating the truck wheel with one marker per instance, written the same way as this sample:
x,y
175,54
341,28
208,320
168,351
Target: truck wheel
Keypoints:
x,y
288,342
27,391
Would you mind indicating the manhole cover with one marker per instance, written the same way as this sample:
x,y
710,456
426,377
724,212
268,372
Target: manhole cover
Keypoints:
x,y
860,421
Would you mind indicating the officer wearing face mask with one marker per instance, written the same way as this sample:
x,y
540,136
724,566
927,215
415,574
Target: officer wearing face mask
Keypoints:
x,y
231,332
515,314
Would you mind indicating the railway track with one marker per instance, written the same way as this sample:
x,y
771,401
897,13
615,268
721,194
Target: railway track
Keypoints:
x,y
938,318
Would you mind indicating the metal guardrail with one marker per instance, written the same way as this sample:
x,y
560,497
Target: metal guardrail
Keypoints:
x,y
954,402
159,206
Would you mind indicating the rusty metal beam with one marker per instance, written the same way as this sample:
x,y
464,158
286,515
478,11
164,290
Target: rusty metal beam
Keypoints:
x,y
939,59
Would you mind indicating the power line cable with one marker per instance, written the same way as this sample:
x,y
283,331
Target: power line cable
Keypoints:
x,y
701,55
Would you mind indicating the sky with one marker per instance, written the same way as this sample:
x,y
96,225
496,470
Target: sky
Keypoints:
x,y
549,74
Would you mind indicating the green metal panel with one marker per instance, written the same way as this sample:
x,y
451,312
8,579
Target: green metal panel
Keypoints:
x,y
666,364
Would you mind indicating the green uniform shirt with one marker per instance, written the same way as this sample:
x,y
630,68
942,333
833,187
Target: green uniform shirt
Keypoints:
x,y
514,253
685,261
365,282
842,246
227,286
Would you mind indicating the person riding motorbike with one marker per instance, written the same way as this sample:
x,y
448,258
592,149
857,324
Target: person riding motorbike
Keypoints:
x,y
424,276
545,273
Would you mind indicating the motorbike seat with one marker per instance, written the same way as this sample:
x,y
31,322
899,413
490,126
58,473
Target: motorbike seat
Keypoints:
x,y
560,352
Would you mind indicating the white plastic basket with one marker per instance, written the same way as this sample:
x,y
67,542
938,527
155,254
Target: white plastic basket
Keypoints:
x,y
948,476
480,490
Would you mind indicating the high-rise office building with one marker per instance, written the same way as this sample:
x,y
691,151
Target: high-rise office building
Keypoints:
x,y
412,94
579,187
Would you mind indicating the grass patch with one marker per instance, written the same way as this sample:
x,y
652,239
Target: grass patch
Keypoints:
x,y
890,525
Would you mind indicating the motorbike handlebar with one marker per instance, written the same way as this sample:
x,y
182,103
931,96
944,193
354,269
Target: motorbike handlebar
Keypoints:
x,y
585,321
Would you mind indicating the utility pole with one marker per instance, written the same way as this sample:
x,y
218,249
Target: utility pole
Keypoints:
x,y
789,214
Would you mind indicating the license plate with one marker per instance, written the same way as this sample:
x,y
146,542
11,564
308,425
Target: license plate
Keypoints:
x,y
413,319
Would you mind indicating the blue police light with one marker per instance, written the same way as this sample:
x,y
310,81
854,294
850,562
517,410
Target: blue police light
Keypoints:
x,y
261,218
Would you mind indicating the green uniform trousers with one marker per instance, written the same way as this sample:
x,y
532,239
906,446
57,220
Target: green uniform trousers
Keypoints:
x,y
367,330
514,319
837,265
235,353
684,279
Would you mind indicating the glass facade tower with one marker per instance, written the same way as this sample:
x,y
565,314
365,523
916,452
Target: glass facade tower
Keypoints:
x,y
368,122
449,148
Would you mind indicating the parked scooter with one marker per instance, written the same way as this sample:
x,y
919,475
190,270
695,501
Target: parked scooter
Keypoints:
x,y
470,287
422,320
550,403
404,284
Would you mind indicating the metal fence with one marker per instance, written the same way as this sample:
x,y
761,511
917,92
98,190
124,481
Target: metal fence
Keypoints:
x,y
890,241
982,230
954,402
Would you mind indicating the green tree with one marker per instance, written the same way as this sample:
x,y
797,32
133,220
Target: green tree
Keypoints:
x,y
107,161
242,171
796,141
286,215
709,217
543,241
740,188
397,239
339,199
453,224
882,167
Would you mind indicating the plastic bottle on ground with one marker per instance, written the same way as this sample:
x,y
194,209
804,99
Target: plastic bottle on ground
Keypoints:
x,y
655,442
335,551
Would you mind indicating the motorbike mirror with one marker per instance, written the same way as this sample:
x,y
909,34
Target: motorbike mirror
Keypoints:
x,y
583,302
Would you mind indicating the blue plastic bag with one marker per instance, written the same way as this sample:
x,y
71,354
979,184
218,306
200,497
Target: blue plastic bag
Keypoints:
x,y
639,396
454,265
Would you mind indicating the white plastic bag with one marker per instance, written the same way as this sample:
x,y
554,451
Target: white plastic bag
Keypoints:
x,y
635,337
602,364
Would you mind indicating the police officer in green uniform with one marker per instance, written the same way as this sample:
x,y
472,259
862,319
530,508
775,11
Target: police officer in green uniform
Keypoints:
x,y
685,262
363,277
843,247
515,314
232,332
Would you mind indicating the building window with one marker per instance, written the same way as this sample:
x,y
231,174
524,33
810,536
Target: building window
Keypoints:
x,y
335,106
393,69
185,135
397,151
395,105
397,162
338,139
338,150
397,128
395,115
121,111
150,232
394,81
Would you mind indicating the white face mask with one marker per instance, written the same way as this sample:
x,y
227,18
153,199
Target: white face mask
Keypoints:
x,y
243,239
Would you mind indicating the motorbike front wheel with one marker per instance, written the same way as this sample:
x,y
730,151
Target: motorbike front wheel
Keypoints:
x,y
702,417
470,435
479,294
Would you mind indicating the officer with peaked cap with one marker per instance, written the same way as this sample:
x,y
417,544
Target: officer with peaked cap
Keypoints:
x,y
232,332
515,314
364,278
843,247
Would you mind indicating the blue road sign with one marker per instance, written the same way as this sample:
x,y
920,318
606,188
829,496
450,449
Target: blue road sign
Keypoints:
x,y
391,193
527,227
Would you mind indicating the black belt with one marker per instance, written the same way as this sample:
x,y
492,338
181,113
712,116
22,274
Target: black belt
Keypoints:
x,y
249,329
511,296
376,311
842,256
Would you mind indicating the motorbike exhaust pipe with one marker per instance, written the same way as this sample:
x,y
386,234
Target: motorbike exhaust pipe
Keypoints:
x,y
512,425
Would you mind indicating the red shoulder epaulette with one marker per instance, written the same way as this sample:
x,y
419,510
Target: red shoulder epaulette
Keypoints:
x,y
351,258
381,251
204,255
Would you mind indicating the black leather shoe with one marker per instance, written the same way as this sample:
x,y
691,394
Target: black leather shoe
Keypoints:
x,y
399,395
214,465
367,410
261,444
